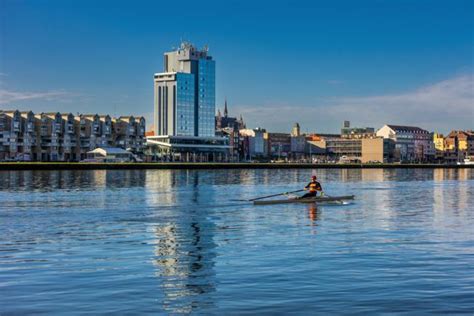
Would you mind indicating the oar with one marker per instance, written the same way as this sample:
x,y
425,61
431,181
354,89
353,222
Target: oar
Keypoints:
x,y
269,196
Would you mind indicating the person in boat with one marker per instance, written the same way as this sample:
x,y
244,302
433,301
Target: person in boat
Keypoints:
x,y
313,187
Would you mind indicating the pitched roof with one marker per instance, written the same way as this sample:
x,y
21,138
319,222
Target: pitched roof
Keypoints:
x,y
110,150
464,134
412,129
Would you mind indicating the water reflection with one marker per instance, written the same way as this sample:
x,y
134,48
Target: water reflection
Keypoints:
x,y
184,249
154,241
47,181
185,262
313,213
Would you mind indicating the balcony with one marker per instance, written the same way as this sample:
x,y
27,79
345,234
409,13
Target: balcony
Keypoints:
x,y
30,127
69,128
96,129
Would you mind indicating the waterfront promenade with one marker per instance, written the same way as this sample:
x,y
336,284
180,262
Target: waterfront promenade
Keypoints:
x,y
183,165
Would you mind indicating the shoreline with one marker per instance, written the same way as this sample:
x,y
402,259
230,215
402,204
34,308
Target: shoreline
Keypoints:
x,y
6,166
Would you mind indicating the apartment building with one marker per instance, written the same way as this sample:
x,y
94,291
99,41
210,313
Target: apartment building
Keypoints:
x,y
278,144
10,131
65,137
458,146
411,143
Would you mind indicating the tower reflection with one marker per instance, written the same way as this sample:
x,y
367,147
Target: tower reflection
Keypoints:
x,y
185,251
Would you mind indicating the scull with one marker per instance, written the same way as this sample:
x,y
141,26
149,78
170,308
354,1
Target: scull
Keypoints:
x,y
317,199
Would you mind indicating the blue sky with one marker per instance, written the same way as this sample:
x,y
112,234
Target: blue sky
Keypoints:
x,y
278,62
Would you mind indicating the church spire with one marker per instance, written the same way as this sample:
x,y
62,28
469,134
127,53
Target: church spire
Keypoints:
x,y
225,108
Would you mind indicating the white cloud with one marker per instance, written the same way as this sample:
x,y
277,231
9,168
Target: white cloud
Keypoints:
x,y
441,106
8,96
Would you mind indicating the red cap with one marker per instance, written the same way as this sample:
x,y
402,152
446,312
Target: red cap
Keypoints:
x,y
313,177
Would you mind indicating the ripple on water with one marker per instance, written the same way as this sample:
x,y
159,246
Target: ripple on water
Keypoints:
x,y
172,241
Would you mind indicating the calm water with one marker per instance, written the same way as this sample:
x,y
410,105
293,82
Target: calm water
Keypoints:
x,y
161,241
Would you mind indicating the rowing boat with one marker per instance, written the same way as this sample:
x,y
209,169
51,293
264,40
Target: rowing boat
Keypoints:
x,y
317,199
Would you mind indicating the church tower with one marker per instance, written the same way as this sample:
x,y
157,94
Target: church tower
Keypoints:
x,y
226,113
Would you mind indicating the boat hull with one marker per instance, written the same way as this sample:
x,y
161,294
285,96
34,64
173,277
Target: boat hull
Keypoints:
x,y
317,199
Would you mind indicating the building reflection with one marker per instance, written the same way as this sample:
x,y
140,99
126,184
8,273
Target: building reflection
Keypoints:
x,y
449,197
159,187
373,175
184,245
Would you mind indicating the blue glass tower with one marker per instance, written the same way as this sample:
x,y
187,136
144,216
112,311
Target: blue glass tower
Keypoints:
x,y
185,93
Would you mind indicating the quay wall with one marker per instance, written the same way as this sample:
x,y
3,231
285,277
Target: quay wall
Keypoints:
x,y
177,165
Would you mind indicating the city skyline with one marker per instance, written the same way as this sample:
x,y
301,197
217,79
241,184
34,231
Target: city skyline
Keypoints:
x,y
371,63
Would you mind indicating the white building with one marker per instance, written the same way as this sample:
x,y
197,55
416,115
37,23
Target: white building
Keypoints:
x,y
109,154
254,142
411,143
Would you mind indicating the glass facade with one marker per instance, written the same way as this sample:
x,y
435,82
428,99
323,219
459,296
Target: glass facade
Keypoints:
x,y
206,97
184,104
185,100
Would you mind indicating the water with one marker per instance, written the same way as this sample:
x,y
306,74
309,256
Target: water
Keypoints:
x,y
170,241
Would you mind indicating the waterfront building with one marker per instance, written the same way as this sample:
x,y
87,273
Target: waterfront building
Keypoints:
x,y
335,148
106,128
129,133
10,131
64,137
50,136
458,145
278,145
438,140
297,143
29,135
297,146
109,154
296,130
356,132
184,108
223,121
411,143
377,150
185,93
439,144
344,150
69,143
253,143
229,127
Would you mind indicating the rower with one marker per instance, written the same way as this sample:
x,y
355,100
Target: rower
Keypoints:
x,y
313,187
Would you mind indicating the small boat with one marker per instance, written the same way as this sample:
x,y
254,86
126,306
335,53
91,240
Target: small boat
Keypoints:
x,y
316,199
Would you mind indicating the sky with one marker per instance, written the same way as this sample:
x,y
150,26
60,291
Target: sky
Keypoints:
x,y
318,63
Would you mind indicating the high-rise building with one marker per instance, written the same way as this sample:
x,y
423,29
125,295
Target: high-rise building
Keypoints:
x,y
184,108
185,93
